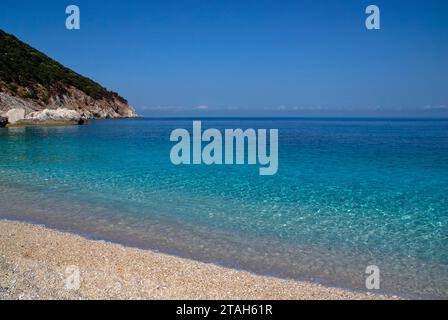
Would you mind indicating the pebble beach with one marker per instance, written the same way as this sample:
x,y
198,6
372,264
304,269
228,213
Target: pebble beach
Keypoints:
x,y
39,263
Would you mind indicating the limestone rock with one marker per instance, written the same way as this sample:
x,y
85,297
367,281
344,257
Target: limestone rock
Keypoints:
x,y
72,99
58,115
15,115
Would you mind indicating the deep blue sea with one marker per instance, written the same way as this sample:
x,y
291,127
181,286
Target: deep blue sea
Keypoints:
x,y
349,193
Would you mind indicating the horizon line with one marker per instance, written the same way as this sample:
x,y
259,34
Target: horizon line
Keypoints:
x,y
298,117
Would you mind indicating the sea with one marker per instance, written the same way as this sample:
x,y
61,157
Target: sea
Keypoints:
x,y
349,194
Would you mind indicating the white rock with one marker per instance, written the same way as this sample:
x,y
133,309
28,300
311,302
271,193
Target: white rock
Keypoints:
x,y
15,115
59,115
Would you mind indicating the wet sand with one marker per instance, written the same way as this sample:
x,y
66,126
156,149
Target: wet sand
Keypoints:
x,y
39,263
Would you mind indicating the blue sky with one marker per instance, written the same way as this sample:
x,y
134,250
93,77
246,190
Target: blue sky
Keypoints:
x,y
251,57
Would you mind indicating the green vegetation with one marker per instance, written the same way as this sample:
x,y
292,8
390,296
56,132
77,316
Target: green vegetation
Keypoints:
x,y
31,74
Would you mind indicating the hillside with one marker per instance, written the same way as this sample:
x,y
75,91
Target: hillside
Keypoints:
x,y
31,80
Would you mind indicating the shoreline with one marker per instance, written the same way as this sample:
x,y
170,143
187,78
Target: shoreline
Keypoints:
x,y
37,263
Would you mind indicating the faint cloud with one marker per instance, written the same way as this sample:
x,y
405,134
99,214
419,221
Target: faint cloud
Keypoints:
x,y
437,107
282,108
378,108
308,108
161,108
203,107
297,108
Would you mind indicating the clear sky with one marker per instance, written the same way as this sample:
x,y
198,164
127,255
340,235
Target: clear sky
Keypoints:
x,y
250,57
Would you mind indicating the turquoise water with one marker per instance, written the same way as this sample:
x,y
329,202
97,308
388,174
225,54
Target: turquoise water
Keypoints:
x,y
348,194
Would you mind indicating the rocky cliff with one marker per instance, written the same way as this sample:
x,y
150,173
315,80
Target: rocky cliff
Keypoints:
x,y
31,81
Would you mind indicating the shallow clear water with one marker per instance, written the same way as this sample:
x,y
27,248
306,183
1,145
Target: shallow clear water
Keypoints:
x,y
348,194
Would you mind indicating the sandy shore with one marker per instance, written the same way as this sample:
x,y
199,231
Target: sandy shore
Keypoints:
x,y
38,263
